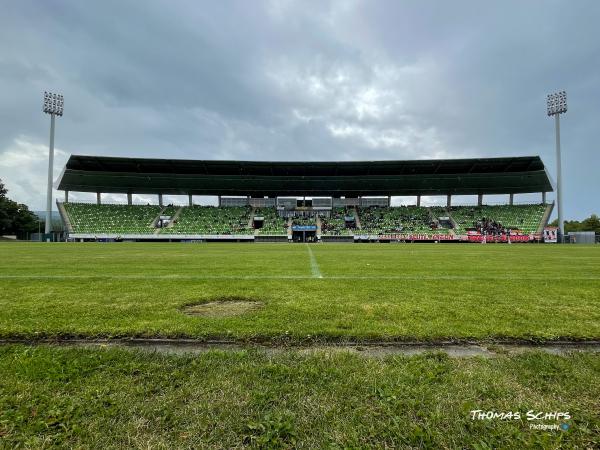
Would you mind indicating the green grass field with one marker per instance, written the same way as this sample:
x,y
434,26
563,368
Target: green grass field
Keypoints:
x,y
84,397
114,399
328,292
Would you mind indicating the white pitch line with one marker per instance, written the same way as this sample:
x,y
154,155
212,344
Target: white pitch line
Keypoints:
x,y
295,277
314,267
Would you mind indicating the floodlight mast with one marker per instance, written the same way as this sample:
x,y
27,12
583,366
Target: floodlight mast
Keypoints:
x,y
53,105
557,105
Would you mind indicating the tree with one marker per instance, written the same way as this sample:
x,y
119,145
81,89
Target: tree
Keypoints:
x,y
592,223
15,218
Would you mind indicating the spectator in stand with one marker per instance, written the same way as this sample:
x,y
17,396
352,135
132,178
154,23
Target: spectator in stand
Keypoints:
x,y
489,227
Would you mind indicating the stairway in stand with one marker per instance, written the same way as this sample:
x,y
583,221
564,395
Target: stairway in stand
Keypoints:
x,y
171,223
545,217
65,216
357,219
251,220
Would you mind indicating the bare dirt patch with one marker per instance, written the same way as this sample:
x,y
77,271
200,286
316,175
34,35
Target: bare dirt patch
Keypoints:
x,y
223,307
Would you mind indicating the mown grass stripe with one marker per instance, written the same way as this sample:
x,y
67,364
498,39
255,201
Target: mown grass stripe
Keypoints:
x,y
297,277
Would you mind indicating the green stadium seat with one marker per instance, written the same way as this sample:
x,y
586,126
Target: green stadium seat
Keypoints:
x,y
335,224
525,218
112,219
210,220
273,224
398,220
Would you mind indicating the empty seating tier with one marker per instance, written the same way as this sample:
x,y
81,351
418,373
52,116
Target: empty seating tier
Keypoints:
x,y
272,224
210,220
398,220
304,221
112,219
525,218
335,224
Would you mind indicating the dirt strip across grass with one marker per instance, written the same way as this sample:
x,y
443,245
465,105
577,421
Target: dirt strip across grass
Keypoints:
x,y
370,349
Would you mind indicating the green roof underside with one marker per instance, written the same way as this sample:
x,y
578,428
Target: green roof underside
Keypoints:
x,y
349,179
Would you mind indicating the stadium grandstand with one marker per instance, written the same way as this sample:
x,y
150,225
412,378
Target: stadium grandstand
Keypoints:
x,y
306,201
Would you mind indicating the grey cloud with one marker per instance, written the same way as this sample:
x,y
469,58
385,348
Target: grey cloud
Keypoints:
x,y
312,80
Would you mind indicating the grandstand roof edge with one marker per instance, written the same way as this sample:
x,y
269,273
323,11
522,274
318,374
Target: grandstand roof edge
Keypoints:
x,y
250,161
514,174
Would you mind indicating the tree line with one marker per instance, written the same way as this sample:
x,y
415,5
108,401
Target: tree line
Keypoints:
x,y
15,218
592,223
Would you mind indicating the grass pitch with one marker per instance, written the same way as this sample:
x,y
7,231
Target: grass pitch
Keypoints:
x,y
105,399
116,398
418,292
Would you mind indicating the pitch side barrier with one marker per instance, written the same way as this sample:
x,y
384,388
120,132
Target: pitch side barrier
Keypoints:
x,y
112,237
504,238
474,238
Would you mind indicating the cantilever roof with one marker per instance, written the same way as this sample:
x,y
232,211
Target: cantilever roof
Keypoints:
x,y
278,178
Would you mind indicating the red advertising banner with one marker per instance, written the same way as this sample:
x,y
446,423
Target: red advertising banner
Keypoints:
x,y
418,237
501,238
469,237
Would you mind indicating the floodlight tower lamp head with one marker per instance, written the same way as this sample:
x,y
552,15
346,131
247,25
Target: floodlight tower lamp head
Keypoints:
x,y
53,103
557,103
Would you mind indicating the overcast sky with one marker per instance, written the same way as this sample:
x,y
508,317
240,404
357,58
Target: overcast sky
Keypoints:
x,y
287,80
